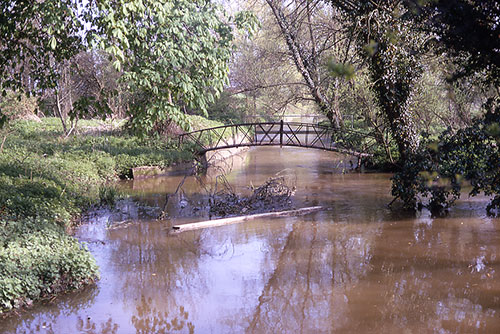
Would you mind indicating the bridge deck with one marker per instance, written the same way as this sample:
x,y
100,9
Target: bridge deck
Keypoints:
x,y
280,134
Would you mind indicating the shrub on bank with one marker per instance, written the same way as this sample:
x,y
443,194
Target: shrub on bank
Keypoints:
x,y
45,182
39,262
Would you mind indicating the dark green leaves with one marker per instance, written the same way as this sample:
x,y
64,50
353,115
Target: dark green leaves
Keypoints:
x,y
434,175
173,54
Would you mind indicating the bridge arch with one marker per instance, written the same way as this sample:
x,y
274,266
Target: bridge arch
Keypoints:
x,y
281,133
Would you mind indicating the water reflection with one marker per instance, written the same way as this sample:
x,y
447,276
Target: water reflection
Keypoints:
x,y
46,315
355,268
149,319
90,327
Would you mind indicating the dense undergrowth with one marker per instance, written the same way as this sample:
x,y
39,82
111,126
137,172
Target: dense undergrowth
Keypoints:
x,y
45,183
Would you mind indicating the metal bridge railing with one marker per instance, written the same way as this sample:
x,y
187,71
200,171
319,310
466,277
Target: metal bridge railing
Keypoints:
x,y
280,134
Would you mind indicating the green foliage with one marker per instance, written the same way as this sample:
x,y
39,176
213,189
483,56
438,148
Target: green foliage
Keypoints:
x,y
105,156
45,182
198,122
174,54
108,194
171,55
247,22
227,109
394,68
37,262
394,51
438,169
380,161
14,105
33,35
467,31
340,69
39,197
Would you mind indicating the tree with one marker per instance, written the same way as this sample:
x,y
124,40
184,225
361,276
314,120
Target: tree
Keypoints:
x,y
315,35
87,86
174,55
468,31
34,35
261,71
394,49
431,170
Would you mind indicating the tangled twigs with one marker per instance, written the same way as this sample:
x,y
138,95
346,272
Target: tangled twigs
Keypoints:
x,y
273,195
221,200
164,214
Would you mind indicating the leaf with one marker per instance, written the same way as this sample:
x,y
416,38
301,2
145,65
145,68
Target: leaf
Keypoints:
x,y
53,43
117,65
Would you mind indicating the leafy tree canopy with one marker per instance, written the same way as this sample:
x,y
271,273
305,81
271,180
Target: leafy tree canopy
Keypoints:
x,y
173,53
34,35
467,30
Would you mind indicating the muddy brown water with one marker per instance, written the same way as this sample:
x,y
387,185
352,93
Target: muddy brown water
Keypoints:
x,y
354,268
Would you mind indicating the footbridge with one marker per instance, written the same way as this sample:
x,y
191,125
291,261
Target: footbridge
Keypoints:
x,y
342,140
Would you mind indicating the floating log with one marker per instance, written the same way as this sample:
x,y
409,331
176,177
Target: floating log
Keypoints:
x,y
240,219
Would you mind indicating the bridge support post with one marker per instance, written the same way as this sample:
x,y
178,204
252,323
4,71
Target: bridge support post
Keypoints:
x,y
281,133
202,160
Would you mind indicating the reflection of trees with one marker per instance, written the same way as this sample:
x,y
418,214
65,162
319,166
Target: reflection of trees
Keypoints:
x,y
404,274
89,326
149,319
149,263
161,277
424,279
315,265
44,316
276,303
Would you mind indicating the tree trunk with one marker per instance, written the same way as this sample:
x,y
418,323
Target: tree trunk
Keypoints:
x,y
305,65
59,111
3,142
394,97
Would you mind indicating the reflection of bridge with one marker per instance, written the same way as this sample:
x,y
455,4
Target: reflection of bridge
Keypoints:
x,y
280,134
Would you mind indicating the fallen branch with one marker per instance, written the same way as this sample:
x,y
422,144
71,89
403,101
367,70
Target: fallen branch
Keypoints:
x,y
240,219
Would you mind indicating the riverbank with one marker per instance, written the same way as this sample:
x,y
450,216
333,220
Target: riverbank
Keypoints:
x,y
46,182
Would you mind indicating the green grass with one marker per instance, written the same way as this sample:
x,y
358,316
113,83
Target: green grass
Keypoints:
x,y
45,182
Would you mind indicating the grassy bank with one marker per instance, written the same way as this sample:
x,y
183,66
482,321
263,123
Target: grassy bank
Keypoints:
x,y
45,183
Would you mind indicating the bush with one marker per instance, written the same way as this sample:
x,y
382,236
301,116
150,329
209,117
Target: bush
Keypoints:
x,y
38,263
16,105
227,109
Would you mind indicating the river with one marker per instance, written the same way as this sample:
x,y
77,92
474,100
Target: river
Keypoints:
x,y
356,267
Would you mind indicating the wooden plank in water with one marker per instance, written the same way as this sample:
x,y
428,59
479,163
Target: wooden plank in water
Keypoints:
x,y
240,219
